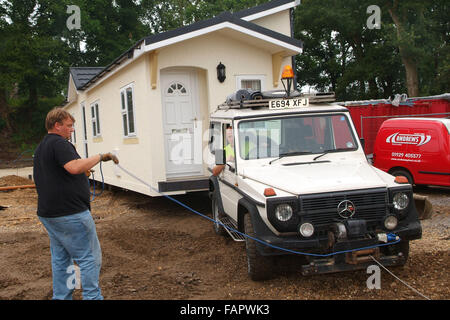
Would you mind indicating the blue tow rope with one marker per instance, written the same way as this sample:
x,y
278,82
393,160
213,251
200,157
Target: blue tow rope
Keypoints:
x,y
93,194
392,238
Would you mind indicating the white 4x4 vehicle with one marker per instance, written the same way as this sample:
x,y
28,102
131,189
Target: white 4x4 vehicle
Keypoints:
x,y
294,175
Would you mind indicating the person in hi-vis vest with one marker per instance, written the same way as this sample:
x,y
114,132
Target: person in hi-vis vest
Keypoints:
x,y
229,148
229,151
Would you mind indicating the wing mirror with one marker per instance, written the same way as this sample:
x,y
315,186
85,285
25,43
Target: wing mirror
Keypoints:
x,y
220,156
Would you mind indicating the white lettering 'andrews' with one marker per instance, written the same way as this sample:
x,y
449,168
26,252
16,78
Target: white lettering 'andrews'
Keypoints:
x,y
418,139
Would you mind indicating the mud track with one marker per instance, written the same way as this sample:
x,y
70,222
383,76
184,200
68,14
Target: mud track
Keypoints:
x,y
155,249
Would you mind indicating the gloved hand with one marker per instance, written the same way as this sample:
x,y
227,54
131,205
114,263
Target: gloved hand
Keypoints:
x,y
109,156
88,172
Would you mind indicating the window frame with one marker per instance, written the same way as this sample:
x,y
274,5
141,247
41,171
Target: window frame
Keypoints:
x,y
215,136
251,77
124,110
73,135
231,165
95,119
282,136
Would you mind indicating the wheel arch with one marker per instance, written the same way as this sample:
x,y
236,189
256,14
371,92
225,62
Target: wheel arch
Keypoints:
x,y
399,168
214,192
245,207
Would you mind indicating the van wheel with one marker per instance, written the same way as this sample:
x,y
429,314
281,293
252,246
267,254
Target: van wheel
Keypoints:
x,y
259,267
219,229
404,173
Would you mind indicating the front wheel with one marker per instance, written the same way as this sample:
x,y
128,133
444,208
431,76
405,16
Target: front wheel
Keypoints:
x,y
259,267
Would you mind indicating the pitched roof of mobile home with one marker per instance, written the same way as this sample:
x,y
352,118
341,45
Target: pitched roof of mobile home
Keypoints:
x,y
233,24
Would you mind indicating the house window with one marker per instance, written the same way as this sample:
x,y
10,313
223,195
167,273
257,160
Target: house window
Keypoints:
x,y
176,89
253,82
127,103
73,136
95,119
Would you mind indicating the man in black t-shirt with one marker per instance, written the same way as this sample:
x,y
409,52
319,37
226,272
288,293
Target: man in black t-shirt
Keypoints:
x,y
64,207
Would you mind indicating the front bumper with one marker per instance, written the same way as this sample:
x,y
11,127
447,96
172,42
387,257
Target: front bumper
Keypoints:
x,y
357,260
323,257
408,231
330,260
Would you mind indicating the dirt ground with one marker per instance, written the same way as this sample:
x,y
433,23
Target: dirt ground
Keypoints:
x,y
155,249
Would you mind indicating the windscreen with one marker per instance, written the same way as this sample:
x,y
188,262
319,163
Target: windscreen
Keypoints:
x,y
274,137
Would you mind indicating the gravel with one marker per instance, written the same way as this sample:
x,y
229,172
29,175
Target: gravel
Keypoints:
x,y
154,249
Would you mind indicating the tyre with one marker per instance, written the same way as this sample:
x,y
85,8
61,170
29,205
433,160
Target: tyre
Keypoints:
x,y
259,267
400,172
219,229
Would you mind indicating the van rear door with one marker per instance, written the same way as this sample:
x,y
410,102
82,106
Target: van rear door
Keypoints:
x,y
426,154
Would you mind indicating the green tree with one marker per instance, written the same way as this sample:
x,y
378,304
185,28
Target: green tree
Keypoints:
x,y
341,53
164,15
37,49
408,53
30,63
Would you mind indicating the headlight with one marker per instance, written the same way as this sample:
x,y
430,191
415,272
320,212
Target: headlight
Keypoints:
x,y
306,229
400,200
283,212
390,222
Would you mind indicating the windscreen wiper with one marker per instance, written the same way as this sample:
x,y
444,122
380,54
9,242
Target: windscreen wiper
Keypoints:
x,y
332,150
287,154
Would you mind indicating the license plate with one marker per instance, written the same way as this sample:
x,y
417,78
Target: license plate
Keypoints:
x,y
277,104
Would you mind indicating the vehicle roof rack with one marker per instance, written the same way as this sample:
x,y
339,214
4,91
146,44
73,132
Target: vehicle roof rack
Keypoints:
x,y
260,99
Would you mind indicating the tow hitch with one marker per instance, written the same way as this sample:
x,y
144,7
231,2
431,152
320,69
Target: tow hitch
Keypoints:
x,y
362,256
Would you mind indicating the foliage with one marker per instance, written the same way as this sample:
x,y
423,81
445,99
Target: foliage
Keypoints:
x,y
340,52
343,55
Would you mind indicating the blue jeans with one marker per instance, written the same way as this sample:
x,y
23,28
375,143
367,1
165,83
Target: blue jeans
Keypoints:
x,y
74,238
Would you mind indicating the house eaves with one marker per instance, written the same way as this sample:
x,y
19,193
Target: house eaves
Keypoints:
x,y
225,20
129,54
266,9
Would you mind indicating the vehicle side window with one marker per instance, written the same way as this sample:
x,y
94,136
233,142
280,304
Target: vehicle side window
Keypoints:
x,y
342,135
228,142
259,139
215,137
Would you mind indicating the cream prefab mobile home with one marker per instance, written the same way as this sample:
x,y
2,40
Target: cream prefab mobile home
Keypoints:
x,y
151,105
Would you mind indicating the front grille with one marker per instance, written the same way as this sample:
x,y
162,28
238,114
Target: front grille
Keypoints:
x,y
371,205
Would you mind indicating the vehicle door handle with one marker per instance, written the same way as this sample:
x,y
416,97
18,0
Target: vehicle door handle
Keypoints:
x,y
195,121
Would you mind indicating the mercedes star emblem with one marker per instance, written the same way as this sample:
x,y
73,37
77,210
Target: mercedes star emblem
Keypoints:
x,y
346,209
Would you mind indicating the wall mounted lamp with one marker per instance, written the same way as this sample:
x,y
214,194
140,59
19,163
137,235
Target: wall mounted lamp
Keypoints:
x,y
221,72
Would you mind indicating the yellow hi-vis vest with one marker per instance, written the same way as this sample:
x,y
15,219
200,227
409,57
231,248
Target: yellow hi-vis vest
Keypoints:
x,y
229,151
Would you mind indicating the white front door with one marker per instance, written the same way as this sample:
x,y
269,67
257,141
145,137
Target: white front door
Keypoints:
x,y
182,134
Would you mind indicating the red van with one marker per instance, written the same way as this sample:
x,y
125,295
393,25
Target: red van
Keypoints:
x,y
417,148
